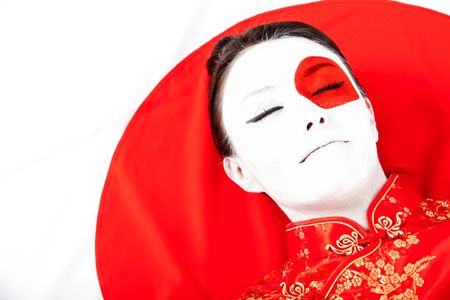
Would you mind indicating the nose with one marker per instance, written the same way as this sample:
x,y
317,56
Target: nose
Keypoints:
x,y
319,121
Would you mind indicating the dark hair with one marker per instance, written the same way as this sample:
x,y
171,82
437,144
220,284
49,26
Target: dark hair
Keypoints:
x,y
227,49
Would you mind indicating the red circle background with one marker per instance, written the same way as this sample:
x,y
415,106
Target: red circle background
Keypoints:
x,y
172,226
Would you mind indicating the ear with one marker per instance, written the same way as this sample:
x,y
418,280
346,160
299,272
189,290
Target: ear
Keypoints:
x,y
373,123
239,174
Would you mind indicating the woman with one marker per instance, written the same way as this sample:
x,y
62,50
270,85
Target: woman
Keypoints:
x,y
290,120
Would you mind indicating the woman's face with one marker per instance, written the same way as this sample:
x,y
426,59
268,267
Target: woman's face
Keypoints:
x,y
300,129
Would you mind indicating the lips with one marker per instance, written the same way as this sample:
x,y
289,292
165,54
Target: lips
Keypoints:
x,y
324,145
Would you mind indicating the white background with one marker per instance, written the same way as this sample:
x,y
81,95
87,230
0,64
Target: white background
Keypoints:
x,y
72,73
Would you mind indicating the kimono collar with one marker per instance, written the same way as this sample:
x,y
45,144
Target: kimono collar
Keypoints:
x,y
387,216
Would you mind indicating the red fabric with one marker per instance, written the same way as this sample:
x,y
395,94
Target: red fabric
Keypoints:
x,y
172,226
334,258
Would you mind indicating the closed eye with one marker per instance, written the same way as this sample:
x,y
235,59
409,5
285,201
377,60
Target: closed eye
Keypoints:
x,y
331,86
264,114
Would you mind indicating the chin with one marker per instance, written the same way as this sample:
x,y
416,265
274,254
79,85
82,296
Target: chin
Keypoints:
x,y
324,180
355,178
340,179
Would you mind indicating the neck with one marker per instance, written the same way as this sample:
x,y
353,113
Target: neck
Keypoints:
x,y
352,205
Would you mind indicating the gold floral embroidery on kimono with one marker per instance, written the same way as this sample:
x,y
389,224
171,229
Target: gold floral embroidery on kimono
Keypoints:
x,y
335,258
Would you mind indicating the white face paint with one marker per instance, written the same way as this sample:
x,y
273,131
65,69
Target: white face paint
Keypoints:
x,y
302,155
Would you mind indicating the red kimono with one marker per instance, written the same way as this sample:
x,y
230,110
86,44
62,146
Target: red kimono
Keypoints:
x,y
405,254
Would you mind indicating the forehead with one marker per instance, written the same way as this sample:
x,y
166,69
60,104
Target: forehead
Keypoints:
x,y
272,63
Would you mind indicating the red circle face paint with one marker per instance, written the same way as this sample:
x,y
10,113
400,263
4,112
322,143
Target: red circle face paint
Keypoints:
x,y
322,81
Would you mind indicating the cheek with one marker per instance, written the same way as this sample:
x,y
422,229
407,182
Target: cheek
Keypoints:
x,y
354,119
314,73
267,150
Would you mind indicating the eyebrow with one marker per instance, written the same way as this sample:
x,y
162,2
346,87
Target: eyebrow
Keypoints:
x,y
258,91
314,68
